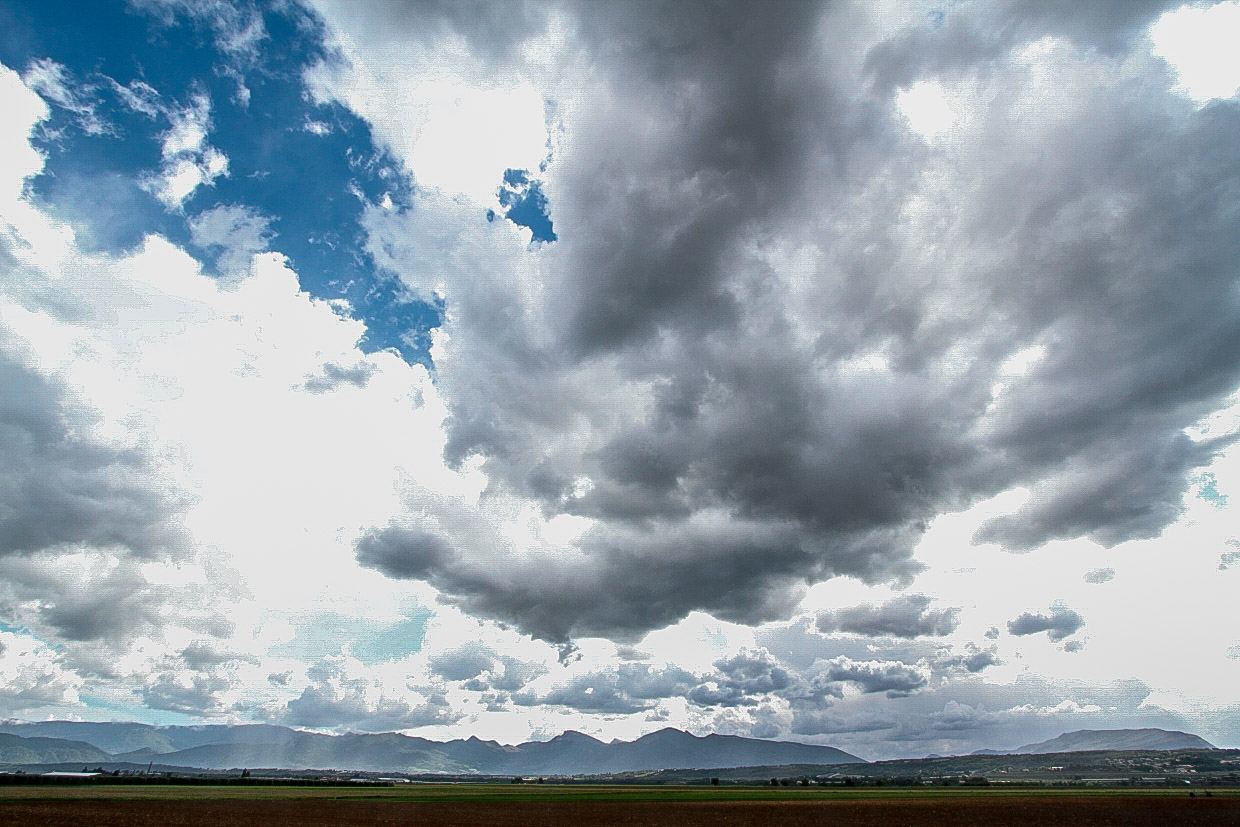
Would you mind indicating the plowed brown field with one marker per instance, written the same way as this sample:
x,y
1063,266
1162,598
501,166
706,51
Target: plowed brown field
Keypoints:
x,y
969,811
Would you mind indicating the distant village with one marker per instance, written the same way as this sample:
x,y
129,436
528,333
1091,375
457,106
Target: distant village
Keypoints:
x,y
1193,770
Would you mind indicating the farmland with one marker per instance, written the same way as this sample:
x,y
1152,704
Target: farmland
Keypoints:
x,y
551,805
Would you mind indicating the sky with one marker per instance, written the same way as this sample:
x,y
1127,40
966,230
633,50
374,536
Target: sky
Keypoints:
x,y
852,373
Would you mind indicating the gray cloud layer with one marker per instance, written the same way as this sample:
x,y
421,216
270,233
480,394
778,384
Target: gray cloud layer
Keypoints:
x,y
334,376
750,679
894,678
626,689
335,699
78,518
908,616
1104,575
744,679
748,228
1060,623
60,489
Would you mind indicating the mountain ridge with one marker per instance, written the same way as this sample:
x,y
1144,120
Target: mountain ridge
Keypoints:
x,y
14,749
1085,740
227,746
1102,740
219,747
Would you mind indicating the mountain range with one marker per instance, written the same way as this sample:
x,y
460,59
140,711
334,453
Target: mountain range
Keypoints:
x,y
222,747
225,747
1092,740
1084,740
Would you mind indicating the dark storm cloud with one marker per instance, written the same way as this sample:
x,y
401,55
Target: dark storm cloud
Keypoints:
x,y
200,692
731,572
60,490
120,603
202,655
908,616
1060,623
404,552
772,335
464,662
738,139
480,668
745,679
972,659
979,659
894,678
1105,496
78,519
972,34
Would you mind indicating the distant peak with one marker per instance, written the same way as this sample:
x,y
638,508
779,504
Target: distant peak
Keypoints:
x,y
574,735
1118,739
668,732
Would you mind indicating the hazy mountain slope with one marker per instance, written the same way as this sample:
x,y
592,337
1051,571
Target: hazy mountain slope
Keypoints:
x,y
671,749
187,737
474,752
15,749
386,752
573,753
120,737
564,754
1117,739
109,737
228,747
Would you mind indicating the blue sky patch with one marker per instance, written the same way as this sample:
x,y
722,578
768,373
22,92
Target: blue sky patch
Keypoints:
x,y
308,171
1209,490
321,635
525,204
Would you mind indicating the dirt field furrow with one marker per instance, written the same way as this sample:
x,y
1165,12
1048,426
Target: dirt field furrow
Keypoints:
x,y
966,812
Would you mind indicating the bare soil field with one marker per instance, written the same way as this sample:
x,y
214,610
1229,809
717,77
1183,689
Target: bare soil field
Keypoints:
x,y
968,810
